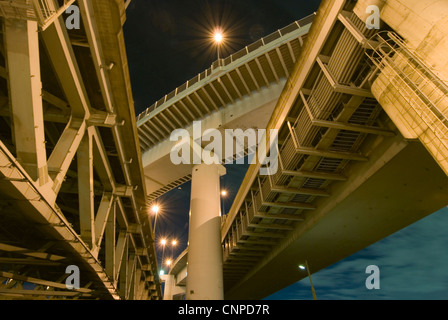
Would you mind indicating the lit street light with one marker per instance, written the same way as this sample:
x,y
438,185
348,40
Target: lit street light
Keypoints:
x,y
173,244
218,37
155,209
223,195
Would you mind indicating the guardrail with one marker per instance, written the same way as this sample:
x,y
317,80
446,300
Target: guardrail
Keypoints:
x,y
227,61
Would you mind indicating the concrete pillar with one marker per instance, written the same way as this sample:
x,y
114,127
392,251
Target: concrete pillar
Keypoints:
x,y
205,279
169,284
424,26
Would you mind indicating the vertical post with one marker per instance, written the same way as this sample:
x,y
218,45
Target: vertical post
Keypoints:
x,y
85,189
124,272
25,86
110,242
205,275
311,281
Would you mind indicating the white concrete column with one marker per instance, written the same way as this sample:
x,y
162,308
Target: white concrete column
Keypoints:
x,y
169,284
205,279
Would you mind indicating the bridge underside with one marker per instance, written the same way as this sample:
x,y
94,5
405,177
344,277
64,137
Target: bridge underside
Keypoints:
x,y
347,177
71,181
365,209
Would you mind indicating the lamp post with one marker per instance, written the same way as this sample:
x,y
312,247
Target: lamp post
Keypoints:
x,y
173,244
163,243
303,267
223,195
155,209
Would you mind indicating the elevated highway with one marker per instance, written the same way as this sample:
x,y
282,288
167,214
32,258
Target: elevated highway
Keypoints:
x,y
362,131
361,116
238,92
71,176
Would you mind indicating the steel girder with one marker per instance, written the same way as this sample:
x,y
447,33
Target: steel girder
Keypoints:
x,y
71,184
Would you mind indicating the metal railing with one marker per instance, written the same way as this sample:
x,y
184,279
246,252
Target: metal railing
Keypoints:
x,y
427,93
227,61
45,12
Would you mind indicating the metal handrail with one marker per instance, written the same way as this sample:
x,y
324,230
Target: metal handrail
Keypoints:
x,y
436,121
231,59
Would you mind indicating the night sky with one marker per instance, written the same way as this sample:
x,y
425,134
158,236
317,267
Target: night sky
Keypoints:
x,y
168,43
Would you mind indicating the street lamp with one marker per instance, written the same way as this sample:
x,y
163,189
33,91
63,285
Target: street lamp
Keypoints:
x,y
307,268
163,244
173,244
223,195
218,37
155,209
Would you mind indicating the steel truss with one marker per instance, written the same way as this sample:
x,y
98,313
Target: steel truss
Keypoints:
x,y
71,187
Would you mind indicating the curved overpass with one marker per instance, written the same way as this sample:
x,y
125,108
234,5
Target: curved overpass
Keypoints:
x,y
237,92
362,131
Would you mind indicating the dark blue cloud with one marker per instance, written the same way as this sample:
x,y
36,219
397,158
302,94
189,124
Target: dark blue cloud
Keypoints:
x,y
412,265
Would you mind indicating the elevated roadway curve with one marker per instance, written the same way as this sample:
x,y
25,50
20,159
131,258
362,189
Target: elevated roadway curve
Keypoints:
x,y
362,137
238,92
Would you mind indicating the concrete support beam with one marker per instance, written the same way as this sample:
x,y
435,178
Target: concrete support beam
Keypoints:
x,y
85,189
64,152
22,51
61,53
101,219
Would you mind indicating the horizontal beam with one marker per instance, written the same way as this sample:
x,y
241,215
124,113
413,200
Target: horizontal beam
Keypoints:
x,y
264,234
306,191
353,127
257,242
291,205
40,281
249,247
316,175
271,226
331,154
291,217
30,253
248,254
30,262
42,293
